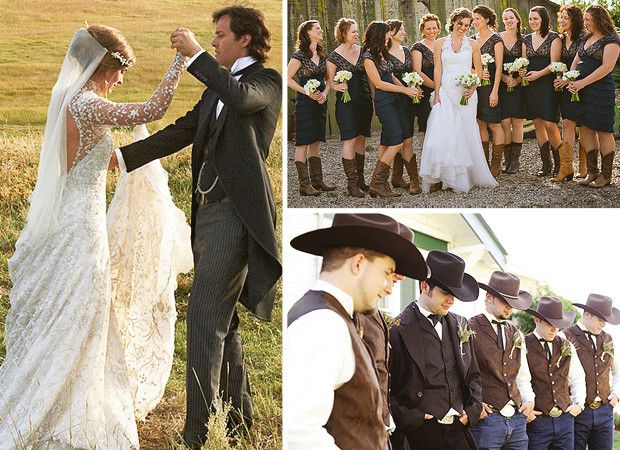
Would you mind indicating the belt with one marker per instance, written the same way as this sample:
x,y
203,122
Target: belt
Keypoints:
x,y
206,198
595,404
507,411
447,420
556,412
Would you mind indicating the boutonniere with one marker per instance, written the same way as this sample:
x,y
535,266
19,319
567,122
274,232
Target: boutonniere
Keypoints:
x,y
464,333
517,342
565,351
608,349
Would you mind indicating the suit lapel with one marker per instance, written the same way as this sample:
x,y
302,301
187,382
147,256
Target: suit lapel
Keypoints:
x,y
412,337
452,326
488,329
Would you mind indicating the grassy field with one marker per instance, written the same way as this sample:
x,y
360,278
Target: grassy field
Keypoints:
x,y
33,39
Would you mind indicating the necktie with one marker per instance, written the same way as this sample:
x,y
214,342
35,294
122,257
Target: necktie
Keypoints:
x,y
592,339
435,318
547,346
500,333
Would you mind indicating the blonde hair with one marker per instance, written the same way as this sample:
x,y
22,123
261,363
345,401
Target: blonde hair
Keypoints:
x,y
114,41
342,28
428,18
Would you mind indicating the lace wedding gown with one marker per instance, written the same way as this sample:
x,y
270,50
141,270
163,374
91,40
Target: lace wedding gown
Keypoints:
x,y
452,151
79,364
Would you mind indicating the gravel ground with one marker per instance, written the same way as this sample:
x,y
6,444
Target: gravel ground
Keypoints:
x,y
521,190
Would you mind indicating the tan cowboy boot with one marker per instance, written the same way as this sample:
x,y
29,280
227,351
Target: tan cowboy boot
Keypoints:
x,y
351,173
378,183
555,152
359,166
412,170
607,164
507,157
514,157
566,163
496,160
545,156
592,167
583,168
316,175
305,188
397,172
485,148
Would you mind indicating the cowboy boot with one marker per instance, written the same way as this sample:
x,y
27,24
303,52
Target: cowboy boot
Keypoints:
x,y
359,166
555,153
507,157
351,173
316,175
485,148
496,159
305,188
514,157
545,156
607,164
397,172
583,168
412,170
591,167
566,163
378,183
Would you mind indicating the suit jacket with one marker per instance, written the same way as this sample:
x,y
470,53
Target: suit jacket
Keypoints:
x,y
407,363
238,149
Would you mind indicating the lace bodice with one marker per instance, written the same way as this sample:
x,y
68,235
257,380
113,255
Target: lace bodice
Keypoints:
x,y
309,69
93,115
454,64
544,50
400,67
342,63
383,66
595,50
568,53
489,44
428,56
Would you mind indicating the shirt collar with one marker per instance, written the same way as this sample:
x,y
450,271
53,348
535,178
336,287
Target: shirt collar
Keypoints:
x,y
583,328
424,311
343,298
491,317
242,63
539,337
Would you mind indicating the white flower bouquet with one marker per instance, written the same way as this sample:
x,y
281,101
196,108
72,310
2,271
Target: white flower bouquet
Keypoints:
x,y
558,69
511,71
343,76
572,75
311,86
467,81
521,63
413,79
486,60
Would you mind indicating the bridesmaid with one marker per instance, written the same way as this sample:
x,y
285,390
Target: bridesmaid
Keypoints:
x,y
541,47
387,104
595,60
570,21
422,53
489,114
512,104
353,117
308,62
401,60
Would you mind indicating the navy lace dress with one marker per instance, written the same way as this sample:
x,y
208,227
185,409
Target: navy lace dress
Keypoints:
x,y
570,110
512,104
309,114
353,117
542,101
408,108
486,113
428,68
597,99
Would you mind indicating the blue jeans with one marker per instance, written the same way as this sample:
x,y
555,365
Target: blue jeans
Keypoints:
x,y
496,432
595,428
553,433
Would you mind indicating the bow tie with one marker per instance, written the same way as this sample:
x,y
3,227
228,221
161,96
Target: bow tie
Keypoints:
x,y
498,322
543,340
591,334
435,318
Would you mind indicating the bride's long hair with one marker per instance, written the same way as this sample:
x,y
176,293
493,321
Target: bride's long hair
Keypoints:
x,y
374,39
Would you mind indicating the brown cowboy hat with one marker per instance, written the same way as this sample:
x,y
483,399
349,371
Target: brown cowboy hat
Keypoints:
x,y
505,285
550,310
375,232
600,306
448,272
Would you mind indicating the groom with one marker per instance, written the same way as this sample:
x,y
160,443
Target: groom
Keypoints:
x,y
233,210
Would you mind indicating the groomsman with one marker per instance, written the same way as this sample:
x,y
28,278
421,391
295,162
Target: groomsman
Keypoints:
x,y
557,378
507,394
594,427
435,384
332,396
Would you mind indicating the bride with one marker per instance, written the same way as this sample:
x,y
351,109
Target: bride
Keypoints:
x,y
84,355
454,159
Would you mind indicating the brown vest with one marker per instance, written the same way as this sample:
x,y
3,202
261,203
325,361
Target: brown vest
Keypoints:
x,y
356,420
549,378
498,367
374,332
596,366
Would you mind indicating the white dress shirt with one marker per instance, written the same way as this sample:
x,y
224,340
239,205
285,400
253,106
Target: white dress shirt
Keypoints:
x,y
524,378
615,368
318,359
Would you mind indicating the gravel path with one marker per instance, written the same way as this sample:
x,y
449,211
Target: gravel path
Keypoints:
x,y
521,190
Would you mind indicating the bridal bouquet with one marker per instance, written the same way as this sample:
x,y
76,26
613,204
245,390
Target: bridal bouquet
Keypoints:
x,y
558,69
572,75
467,80
413,79
343,76
521,63
486,60
311,86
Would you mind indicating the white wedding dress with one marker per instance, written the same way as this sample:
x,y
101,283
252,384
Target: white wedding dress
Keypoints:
x,y
452,151
90,332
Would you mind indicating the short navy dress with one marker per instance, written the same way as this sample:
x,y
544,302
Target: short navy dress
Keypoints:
x,y
512,104
309,114
428,68
542,101
408,108
570,110
486,113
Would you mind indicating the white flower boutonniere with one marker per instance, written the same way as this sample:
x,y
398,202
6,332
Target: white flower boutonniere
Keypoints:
x,y
517,342
464,334
564,352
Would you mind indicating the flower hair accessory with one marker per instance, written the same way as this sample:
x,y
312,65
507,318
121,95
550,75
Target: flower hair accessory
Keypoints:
x,y
121,59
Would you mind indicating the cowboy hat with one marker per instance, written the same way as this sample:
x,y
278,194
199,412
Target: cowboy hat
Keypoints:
x,y
600,306
505,285
448,272
550,310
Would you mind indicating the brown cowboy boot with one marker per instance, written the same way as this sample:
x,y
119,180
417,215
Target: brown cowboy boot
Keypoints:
x,y
545,156
412,170
592,167
305,188
359,166
350,171
316,175
496,159
485,148
583,168
397,172
378,183
566,163
555,152
507,157
607,164
514,157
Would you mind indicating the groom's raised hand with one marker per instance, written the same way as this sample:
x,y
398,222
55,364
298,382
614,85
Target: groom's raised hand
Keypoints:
x,y
185,42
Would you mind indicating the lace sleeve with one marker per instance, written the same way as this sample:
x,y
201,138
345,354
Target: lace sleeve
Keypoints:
x,y
105,112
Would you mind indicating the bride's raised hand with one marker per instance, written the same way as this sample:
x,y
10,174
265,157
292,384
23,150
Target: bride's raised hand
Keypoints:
x,y
185,42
